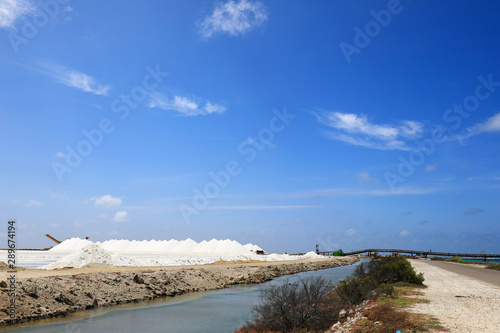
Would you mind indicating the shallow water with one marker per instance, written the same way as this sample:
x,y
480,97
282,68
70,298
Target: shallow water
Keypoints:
x,y
494,261
216,311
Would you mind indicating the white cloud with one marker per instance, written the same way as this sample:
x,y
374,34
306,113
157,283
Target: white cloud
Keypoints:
x,y
233,18
490,125
11,10
33,203
76,79
60,154
107,201
351,232
359,131
121,216
405,233
53,225
186,106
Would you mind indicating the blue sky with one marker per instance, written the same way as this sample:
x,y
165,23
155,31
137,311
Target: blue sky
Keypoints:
x,y
348,124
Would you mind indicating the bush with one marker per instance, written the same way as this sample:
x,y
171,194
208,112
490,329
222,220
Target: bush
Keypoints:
x,y
389,270
304,305
354,291
455,259
493,266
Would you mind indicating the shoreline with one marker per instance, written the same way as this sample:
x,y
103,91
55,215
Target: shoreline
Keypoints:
x,y
57,293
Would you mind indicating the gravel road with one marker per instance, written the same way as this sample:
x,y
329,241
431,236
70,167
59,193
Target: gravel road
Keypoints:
x,y
473,271
462,302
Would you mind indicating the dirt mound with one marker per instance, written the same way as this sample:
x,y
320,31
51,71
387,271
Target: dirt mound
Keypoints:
x,y
5,267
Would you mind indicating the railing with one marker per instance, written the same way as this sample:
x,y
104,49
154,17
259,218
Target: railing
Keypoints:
x,y
417,252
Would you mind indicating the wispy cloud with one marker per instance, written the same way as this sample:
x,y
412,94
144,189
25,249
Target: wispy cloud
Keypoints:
x,y
430,168
107,201
33,203
363,192
76,79
185,105
233,18
490,125
483,178
362,177
366,179
405,233
359,131
11,10
262,207
351,232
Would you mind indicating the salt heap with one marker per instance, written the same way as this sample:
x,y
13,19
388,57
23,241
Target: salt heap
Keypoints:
x,y
71,244
92,253
312,254
188,246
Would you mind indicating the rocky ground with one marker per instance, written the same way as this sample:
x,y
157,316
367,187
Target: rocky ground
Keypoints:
x,y
47,294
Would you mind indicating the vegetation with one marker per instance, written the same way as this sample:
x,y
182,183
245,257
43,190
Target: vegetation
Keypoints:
x,y
458,260
493,266
307,305
313,304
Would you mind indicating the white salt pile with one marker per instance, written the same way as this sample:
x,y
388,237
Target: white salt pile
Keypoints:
x,y
91,253
188,246
312,254
124,252
71,244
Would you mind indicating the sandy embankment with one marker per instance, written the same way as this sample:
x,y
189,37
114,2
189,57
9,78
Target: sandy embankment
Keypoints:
x,y
45,294
461,304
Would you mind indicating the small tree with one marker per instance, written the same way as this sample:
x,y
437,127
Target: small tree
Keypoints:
x,y
304,305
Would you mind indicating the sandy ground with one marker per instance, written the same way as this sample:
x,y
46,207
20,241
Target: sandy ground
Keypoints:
x,y
462,304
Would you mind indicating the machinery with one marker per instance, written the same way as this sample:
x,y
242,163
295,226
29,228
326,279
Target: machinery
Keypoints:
x,y
57,241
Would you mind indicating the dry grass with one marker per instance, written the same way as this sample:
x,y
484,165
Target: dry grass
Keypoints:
x,y
390,314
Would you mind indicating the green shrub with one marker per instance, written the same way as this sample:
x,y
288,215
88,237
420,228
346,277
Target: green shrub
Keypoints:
x,y
355,290
385,289
389,270
398,269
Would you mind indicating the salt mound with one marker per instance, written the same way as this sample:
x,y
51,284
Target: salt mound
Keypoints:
x,y
312,254
91,253
188,246
71,244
